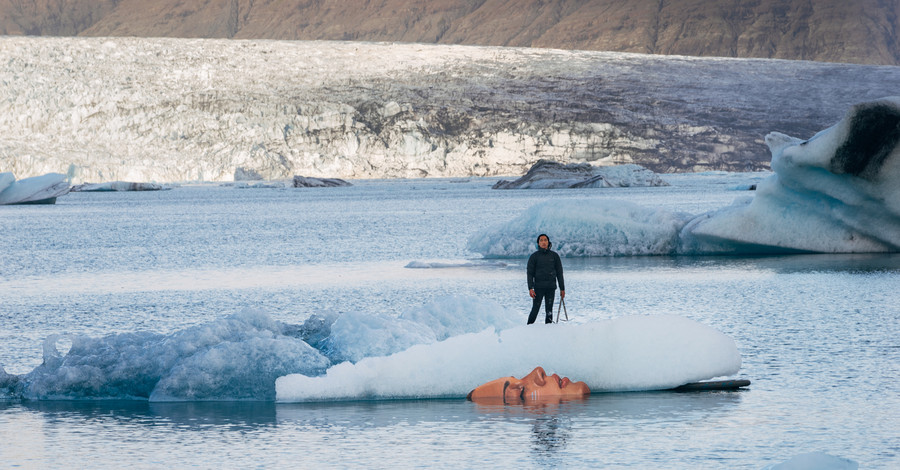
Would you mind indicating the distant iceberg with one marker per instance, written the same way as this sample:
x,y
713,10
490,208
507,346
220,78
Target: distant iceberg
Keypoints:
x,y
118,186
35,190
584,227
838,192
310,182
548,174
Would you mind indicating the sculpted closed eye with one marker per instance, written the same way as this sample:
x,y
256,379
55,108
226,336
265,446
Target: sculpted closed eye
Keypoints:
x,y
532,387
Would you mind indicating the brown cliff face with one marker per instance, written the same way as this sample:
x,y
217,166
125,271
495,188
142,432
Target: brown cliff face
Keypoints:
x,y
862,31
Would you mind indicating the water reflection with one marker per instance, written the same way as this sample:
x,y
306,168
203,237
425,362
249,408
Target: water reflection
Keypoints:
x,y
182,415
549,435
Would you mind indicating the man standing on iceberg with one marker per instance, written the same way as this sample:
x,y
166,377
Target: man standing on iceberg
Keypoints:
x,y
544,270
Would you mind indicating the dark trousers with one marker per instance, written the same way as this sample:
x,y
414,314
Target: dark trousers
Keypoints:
x,y
547,295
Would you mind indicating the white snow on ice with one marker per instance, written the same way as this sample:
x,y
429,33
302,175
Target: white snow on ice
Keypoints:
x,y
441,349
627,353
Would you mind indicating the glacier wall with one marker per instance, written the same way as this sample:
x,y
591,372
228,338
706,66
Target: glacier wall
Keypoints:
x,y
137,109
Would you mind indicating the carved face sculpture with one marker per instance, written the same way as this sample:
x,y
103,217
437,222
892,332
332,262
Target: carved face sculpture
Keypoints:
x,y
537,386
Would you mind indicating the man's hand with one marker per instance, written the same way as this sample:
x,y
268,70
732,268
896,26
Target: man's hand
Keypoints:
x,y
562,294
531,293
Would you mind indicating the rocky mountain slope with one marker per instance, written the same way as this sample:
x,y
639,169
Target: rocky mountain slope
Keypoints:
x,y
859,31
166,110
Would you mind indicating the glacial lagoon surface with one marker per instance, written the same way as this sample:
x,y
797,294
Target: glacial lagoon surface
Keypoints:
x,y
147,273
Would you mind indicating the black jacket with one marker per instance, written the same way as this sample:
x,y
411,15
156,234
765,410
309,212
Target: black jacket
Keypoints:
x,y
544,269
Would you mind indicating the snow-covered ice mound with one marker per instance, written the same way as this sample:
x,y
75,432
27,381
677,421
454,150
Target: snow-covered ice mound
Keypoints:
x,y
35,190
237,357
629,353
443,348
838,192
548,174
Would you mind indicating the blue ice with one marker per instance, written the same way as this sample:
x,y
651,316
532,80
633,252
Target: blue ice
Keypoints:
x,y
838,192
441,349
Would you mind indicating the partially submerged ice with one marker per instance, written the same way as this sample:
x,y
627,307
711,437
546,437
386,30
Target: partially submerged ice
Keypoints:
x,y
638,352
118,186
441,349
35,190
310,182
837,192
548,174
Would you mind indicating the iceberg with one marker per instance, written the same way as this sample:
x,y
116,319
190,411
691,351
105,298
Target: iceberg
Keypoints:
x,y
35,190
310,182
548,174
584,227
630,353
441,349
118,186
234,358
837,192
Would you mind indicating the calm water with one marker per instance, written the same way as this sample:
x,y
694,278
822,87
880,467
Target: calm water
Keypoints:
x,y
818,333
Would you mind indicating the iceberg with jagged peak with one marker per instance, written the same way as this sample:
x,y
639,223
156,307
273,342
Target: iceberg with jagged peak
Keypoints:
x,y
35,190
838,192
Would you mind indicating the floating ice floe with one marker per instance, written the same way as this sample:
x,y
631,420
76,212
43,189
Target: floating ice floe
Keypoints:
x,y
449,264
815,461
118,186
240,356
234,358
35,190
309,182
653,352
838,192
256,185
547,174
441,349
